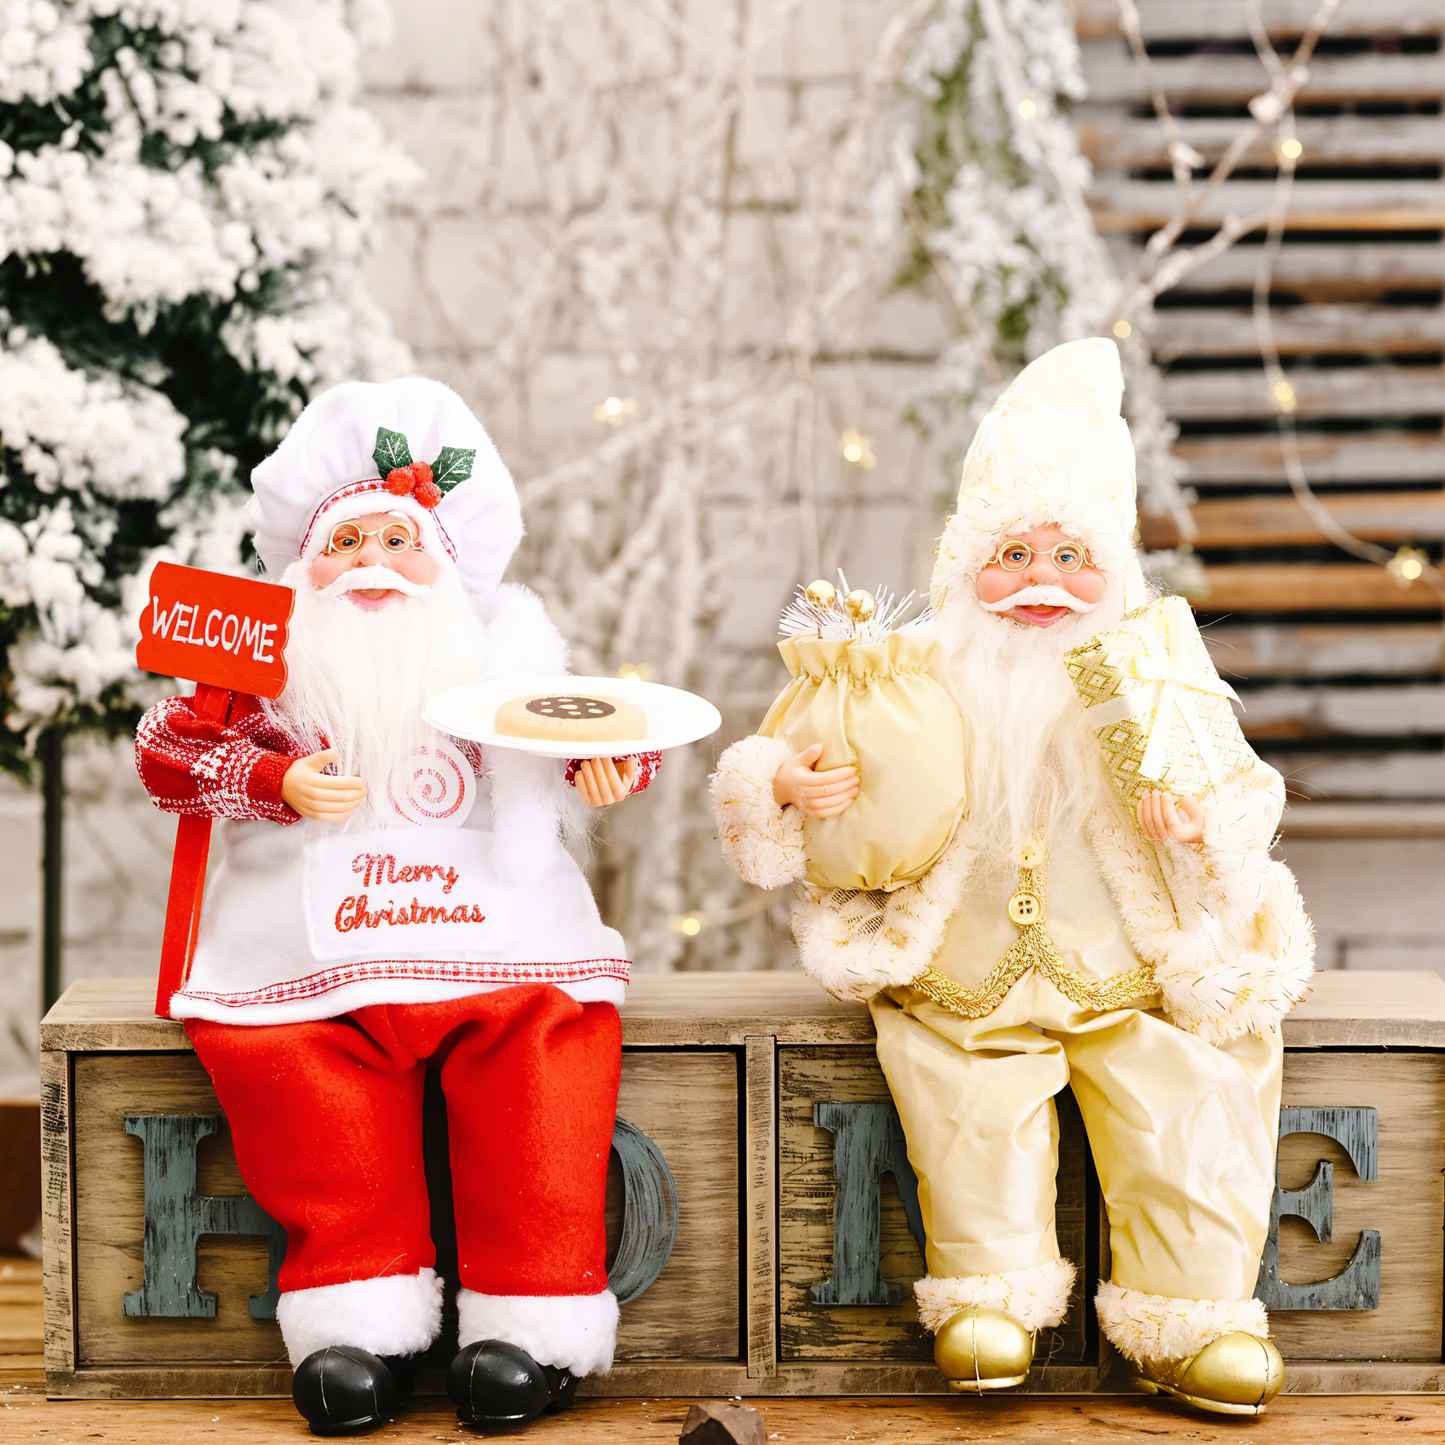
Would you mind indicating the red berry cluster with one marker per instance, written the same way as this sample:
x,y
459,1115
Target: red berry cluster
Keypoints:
x,y
414,481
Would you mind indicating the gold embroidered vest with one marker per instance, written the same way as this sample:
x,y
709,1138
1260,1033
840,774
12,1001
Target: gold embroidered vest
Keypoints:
x,y
1034,948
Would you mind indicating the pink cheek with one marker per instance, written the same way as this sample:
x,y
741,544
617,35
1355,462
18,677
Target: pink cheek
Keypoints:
x,y
994,588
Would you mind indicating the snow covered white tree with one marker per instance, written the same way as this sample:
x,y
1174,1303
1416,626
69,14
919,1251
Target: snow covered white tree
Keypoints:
x,y
186,198
985,172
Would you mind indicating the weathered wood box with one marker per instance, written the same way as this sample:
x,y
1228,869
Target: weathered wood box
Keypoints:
x,y
744,1083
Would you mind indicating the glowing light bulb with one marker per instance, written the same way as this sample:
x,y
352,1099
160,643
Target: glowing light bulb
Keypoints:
x,y
1027,109
858,449
615,410
1283,394
1407,565
1291,149
688,924
1122,330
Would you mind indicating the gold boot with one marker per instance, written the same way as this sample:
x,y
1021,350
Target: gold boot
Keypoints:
x,y
1238,1374
981,1349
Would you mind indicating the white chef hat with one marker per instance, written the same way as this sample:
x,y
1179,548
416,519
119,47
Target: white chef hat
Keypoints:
x,y
355,449
1053,451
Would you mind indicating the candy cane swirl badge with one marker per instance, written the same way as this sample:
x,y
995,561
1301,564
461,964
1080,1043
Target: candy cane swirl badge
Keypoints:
x,y
433,788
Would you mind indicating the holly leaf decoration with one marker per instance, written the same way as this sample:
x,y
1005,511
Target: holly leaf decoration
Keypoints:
x,y
452,466
391,452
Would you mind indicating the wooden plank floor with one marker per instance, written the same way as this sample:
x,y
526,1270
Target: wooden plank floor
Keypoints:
x,y
1293,1420
22,1325
27,1416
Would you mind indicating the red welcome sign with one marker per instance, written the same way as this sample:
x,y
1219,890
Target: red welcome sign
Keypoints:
x,y
212,628
226,634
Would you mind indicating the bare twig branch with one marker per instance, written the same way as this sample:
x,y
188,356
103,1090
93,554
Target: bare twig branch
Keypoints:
x,y
1277,384
1265,110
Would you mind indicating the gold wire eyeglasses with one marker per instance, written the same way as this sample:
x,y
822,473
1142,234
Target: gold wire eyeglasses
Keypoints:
x,y
1014,556
349,537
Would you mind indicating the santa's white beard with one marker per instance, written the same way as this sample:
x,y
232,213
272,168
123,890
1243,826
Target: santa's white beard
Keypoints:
x,y
1033,765
358,679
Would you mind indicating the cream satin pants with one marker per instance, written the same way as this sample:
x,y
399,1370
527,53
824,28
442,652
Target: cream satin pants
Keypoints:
x,y
1183,1135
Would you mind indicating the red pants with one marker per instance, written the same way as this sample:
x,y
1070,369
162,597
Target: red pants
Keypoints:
x,y
326,1120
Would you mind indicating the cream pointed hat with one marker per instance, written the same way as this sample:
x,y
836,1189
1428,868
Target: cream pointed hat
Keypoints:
x,y
1053,451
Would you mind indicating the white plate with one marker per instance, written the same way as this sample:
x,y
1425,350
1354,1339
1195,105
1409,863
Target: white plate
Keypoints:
x,y
674,717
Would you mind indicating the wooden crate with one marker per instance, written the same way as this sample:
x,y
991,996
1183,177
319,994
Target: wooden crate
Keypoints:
x,y
723,1073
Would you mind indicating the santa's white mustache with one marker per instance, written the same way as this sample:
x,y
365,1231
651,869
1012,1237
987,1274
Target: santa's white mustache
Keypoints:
x,y
366,579
1044,595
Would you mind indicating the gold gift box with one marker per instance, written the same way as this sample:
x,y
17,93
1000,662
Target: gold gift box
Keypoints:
x,y
1159,709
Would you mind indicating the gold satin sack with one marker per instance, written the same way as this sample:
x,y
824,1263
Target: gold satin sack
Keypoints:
x,y
1160,711
874,705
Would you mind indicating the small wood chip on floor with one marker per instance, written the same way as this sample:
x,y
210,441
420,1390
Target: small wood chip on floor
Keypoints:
x,y
722,1424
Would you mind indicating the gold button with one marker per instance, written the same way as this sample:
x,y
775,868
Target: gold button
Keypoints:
x,y
1032,853
1025,908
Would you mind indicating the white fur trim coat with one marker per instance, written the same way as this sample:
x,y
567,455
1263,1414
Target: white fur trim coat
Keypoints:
x,y
1220,921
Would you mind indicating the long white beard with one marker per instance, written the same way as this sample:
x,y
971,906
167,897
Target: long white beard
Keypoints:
x,y
357,680
1033,766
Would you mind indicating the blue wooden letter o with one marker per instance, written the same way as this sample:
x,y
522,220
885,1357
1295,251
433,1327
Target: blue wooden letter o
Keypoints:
x,y
649,1213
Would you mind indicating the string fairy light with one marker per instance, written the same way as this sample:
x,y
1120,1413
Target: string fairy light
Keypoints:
x,y
1160,266
1407,565
858,449
615,410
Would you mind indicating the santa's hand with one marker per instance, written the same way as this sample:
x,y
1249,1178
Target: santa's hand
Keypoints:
x,y
815,795
600,781
307,790
1162,815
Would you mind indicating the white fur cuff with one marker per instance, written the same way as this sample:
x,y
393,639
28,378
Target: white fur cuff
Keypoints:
x,y
1037,1297
575,1332
1159,1327
761,840
399,1314
1228,984
856,944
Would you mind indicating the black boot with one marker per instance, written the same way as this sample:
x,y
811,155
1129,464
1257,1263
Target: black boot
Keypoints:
x,y
342,1390
403,1370
494,1383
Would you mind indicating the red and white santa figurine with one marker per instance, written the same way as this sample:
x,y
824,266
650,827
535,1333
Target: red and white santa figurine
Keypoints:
x,y
393,901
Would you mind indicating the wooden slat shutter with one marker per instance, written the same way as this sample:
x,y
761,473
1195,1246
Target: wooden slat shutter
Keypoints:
x,y
1338,665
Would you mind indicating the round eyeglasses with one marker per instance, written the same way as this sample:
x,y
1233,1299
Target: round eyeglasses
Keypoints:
x,y
1014,556
350,536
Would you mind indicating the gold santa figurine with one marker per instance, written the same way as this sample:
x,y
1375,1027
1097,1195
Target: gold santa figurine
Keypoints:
x,y
1140,947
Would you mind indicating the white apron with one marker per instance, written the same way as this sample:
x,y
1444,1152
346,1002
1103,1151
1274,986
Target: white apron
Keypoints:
x,y
314,920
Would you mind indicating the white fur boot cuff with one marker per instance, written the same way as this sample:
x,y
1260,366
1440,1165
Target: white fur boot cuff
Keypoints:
x,y
1160,1327
575,1332
399,1314
1037,1297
